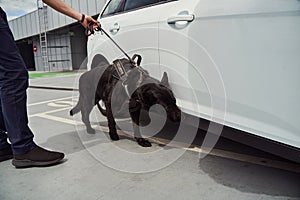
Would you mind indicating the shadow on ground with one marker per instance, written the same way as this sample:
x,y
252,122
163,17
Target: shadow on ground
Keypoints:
x,y
241,176
251,178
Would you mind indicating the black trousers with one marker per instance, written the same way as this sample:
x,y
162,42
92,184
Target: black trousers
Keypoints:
x,y
13,97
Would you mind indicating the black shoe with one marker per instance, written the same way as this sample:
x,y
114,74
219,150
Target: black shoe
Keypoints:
x,y
6,154
37,157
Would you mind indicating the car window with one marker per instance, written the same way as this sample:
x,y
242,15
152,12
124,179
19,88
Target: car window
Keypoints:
x,y
118,6
134,4
114,6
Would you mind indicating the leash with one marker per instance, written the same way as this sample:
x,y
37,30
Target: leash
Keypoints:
x,y
117,63
120,69
90,30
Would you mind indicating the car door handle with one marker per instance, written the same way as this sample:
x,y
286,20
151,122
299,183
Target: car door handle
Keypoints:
x,y
115,28
180,18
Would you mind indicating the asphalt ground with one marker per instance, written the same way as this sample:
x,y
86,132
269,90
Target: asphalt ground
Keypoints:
x,y
96,168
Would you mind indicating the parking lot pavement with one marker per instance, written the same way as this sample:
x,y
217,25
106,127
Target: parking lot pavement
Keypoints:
x,y
93,170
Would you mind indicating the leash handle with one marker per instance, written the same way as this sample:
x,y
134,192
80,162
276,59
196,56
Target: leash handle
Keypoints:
x,y
91,30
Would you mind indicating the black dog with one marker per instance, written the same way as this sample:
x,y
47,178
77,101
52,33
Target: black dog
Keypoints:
x,y
138,92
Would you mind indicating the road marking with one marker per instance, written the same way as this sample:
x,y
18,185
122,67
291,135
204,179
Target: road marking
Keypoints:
x,y
49,112
67,121
49,101
58,119
237,156
60,104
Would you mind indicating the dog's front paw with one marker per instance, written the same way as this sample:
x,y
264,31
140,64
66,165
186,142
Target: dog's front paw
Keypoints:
x,y
143,142
114,136
90,131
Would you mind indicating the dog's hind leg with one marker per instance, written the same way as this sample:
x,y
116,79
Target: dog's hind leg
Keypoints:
x,y
85,115
111,122
137,136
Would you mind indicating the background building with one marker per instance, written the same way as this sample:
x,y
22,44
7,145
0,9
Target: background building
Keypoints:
x,y
50,41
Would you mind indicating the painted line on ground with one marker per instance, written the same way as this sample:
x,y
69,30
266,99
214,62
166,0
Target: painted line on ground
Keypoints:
x,y
49,101
49,112
58,119
237,156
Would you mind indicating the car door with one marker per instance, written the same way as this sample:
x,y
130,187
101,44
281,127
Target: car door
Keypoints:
x,y
134,26
179,57
249,50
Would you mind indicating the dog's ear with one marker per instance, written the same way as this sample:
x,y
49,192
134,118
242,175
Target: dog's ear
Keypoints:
x,y
165,80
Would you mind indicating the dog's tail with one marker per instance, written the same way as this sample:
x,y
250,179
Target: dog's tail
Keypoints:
x,y
75,110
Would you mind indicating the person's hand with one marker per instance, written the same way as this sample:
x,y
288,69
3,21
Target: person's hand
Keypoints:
x,y
88,19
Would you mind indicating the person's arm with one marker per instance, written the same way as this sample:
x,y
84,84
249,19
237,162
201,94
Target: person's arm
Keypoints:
x,y
64,8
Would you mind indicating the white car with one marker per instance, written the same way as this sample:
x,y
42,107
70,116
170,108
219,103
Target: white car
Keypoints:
x,y
236,63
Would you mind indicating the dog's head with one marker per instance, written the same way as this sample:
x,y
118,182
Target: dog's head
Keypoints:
x,y
150,94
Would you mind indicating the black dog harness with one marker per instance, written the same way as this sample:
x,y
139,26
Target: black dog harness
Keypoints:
x,y
122,73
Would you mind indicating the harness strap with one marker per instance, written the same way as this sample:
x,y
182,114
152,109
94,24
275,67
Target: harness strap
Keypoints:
x,y
122,74
120,70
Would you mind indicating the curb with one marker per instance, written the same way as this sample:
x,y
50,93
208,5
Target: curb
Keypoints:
x,y
53,88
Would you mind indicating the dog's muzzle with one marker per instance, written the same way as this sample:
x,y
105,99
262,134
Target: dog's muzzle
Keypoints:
x,y
173,112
